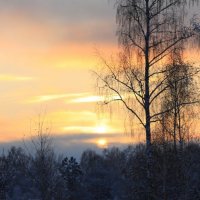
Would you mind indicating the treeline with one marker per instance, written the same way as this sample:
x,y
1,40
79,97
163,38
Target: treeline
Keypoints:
x,y
114,175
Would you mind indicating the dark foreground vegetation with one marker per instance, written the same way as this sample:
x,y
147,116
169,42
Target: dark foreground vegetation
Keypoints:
x,y
113,175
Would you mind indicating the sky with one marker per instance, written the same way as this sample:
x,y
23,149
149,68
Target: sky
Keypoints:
x,y
48,50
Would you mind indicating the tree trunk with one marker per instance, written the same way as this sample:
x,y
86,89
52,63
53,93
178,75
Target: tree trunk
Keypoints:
x,y
147,106
147,95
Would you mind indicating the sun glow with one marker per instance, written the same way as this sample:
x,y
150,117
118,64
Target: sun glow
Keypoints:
x,y
101,129
102,143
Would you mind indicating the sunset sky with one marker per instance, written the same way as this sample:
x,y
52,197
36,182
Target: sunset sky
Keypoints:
x,y
47,52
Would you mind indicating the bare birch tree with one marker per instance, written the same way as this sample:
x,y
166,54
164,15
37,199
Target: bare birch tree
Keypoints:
x,y
43,171
149,32
179,99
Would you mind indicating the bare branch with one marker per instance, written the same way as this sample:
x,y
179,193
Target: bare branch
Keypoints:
x,y
168,48
164,8
159,93
170,109
126,105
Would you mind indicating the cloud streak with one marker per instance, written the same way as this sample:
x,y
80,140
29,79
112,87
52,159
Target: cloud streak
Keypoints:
x,y
10,77
52,97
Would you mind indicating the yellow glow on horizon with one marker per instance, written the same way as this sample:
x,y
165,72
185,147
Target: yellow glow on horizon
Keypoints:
x,y
87,129
77,129
101,129
102,143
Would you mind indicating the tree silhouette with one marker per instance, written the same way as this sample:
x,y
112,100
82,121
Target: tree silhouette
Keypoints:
x,y
149,32
71,173
181,95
